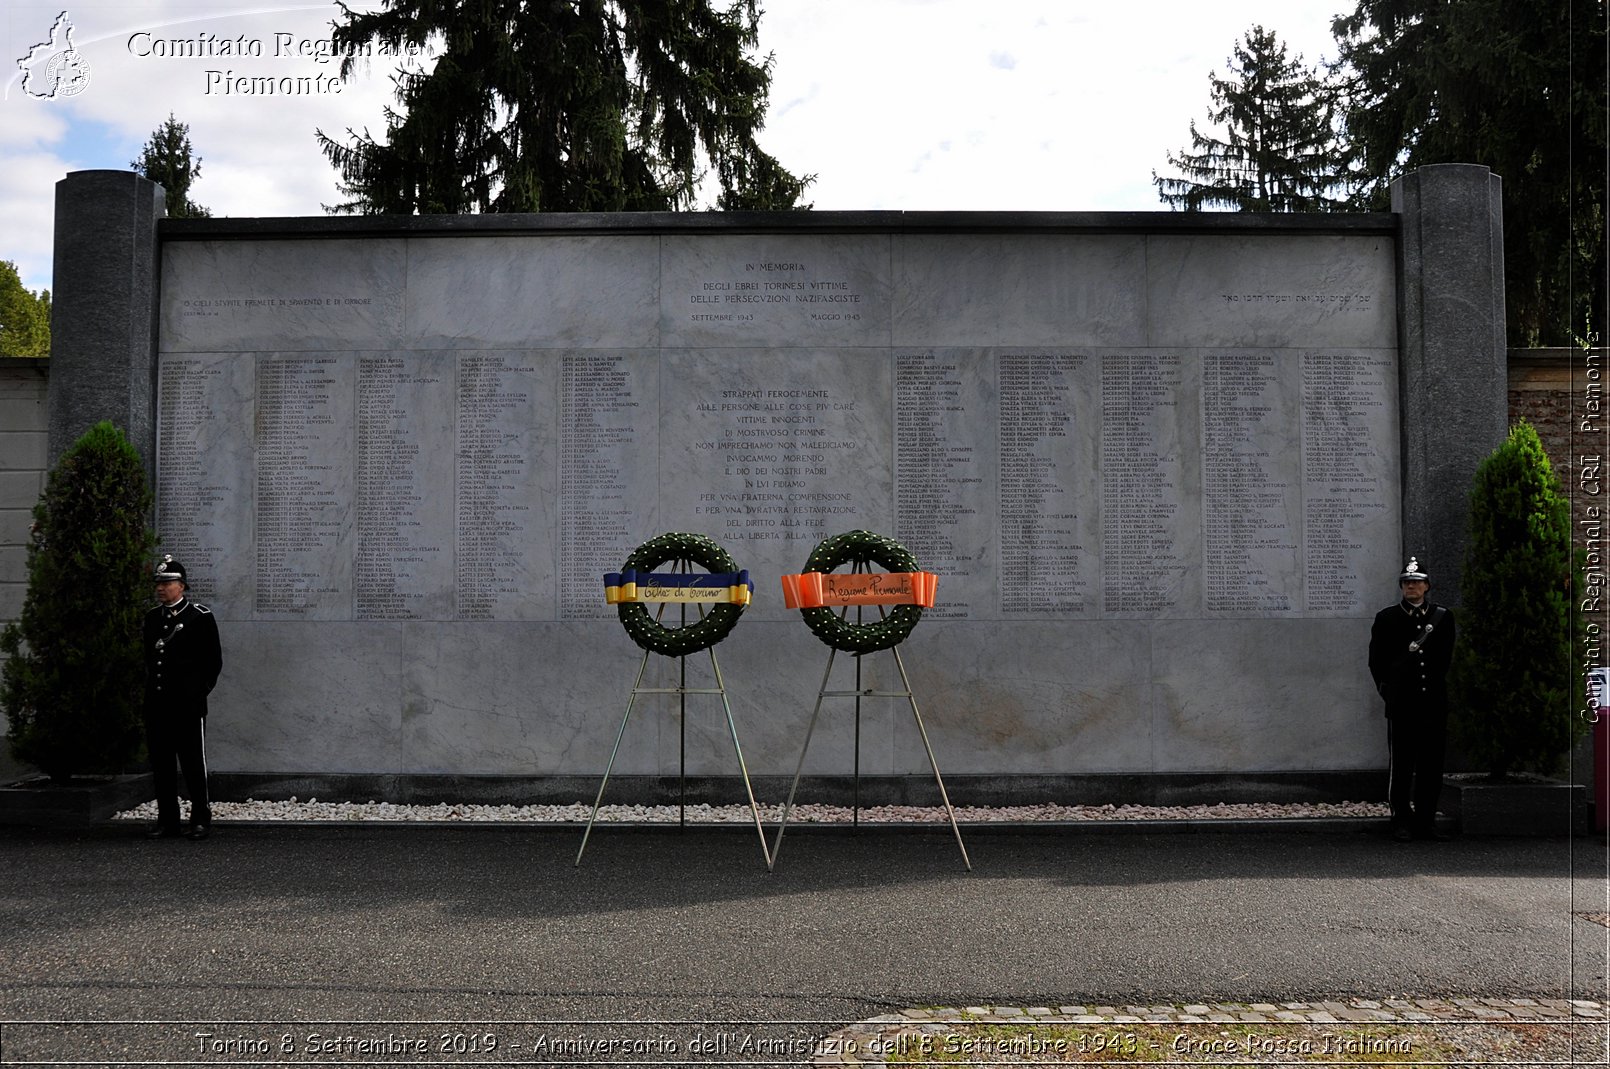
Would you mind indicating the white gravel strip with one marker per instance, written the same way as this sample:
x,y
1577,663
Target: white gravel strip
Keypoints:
x,y
314,810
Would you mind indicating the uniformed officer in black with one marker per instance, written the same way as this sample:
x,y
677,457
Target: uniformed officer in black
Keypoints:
x,y
1411,647
182,662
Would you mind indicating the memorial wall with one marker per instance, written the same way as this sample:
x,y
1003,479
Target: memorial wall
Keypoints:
x,y
1157,473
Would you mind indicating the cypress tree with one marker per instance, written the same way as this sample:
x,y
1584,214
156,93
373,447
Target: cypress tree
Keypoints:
x,y
1513,669
73,683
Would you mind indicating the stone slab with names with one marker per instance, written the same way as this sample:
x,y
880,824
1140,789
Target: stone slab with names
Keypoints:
x,y
1157,475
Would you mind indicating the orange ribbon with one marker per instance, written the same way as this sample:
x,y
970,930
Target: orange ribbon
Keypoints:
x,y
809,590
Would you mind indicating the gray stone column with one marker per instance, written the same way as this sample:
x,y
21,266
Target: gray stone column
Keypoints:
x,y
1454,377
103,324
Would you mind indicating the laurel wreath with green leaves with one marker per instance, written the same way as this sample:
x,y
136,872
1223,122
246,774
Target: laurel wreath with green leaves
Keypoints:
x,y
715,623
834,628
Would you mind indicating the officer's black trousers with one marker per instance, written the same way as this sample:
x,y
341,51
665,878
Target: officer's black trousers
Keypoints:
x,y
1417,739
177,737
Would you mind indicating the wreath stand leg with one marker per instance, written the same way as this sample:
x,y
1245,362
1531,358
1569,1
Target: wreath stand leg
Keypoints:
x,y
613,750
743,768
682,690
940,780
810,729
858,693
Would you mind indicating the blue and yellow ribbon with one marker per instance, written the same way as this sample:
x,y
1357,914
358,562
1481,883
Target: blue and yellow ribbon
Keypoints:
x,y
732,588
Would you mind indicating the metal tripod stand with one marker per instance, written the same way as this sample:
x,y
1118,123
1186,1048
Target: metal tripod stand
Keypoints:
x,y
858,693
681,690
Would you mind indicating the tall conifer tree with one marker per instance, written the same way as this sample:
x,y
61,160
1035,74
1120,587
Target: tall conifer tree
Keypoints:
x,y
1518,86
1278,152
589,105
168,160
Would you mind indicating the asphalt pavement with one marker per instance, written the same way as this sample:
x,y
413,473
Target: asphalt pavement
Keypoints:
x,y
355,937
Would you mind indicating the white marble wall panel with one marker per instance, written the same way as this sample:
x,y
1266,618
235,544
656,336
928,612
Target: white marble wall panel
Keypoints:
x,y
1265,694
704,747
1043,698
506,699
305,486
609,407
770,452
1057,696
307,697
947,473
536,292
505,485
302,296
1047,420
205,416
403,520
1150,479
773,669
774,290
1276,290
1350,478
548,405
1012,289
1251,496
384,485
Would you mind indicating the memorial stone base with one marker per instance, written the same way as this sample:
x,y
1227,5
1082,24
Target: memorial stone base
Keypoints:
x,y
1273,788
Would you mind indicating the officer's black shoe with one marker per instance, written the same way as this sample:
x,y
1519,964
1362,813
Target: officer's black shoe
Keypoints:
x,y
199,832
1402,834
162,831
1430,834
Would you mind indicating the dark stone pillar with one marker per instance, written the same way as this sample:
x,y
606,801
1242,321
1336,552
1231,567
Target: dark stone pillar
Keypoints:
x,y
1454,375
103,324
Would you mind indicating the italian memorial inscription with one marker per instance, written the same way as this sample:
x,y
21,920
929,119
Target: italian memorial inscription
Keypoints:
x,y
187,409
939,476
1249,548
603,435
502,490
303,515
1044,506
435,501
1143,478
783,451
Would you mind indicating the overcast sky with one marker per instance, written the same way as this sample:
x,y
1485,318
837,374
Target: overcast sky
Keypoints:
x,y
1053,105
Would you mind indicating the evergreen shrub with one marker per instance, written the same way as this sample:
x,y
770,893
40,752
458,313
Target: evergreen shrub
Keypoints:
x,y
73,683
1513,668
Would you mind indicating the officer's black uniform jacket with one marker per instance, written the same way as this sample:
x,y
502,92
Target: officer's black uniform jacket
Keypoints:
x,y
1417,682
181,672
